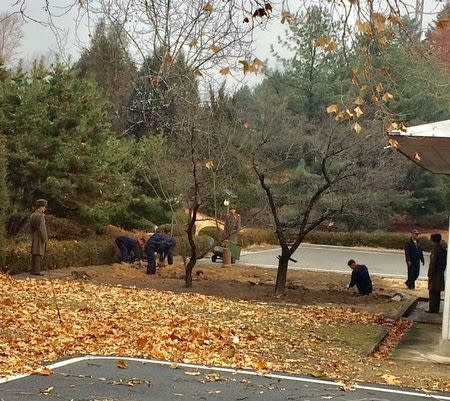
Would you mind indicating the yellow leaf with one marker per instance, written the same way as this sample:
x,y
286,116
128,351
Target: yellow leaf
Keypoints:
x,y
322,41
245,65
214,392
246,124
142,342
363,26
208,8
358,112
194,42
393,143
383,41
387,96
192,373
225,71
349,113
236,340
331,47
46,372
340,116
198,73
374,99
261,365
286,16
357,128
251,68
215,48
395,19
379,88
174,365
333,108
417,157
359,101
122,364
392,127
209,164
380,22
402,127
169,60
258,62
390,379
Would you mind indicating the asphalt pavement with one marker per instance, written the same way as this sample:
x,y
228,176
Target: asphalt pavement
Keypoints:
x,y
101,378
389,263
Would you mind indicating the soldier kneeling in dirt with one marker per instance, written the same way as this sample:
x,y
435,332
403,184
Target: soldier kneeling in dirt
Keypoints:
x,y
130,248
360,278
161,243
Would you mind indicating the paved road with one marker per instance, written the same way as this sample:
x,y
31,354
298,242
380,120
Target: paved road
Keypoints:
x,y
101,379
335,258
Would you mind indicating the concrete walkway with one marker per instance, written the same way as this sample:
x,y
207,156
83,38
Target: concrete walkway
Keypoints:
x,y
421,343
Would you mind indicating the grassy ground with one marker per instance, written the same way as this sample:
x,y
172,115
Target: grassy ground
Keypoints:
x,y
231,319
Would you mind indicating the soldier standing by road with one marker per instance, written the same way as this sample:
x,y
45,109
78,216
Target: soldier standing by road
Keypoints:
x,y
413,256
39,237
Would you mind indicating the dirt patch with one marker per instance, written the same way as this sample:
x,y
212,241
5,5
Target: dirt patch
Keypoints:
x,y
257,284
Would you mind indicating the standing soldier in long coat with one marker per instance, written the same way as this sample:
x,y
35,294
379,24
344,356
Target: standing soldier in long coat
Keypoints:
x,y
438,263
232,225
39,237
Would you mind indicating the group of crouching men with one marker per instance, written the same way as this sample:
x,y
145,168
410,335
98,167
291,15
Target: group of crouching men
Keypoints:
x,y
162,244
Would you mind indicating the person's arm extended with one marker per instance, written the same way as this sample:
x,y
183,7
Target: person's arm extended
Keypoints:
x,y
352,280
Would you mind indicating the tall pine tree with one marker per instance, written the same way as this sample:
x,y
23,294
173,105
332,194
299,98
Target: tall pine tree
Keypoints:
x,y
109,63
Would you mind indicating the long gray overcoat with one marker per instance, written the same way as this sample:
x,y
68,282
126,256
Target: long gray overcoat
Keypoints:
x,y
39,235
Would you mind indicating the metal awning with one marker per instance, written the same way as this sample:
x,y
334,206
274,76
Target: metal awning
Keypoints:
x,y
427,145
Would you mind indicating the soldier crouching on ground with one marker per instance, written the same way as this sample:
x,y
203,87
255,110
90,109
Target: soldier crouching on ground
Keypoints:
x,y
129,247
161,243
360,278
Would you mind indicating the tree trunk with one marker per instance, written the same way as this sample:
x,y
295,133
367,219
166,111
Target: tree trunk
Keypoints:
x,y
280,286
188,278
193,257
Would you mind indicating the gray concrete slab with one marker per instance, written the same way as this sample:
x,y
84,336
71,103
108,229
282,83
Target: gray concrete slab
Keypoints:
x,y
420,315
389,263
421,343
101,379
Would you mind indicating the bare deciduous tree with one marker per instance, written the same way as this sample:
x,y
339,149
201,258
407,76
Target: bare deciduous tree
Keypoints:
x,y
11,35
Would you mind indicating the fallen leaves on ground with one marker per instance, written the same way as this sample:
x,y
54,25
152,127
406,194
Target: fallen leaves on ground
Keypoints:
x,y
190,328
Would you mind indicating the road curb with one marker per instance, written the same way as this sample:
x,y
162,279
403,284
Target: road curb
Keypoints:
x,y
408,308
371,348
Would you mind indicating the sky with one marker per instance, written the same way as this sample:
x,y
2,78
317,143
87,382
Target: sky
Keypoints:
x,y
70,37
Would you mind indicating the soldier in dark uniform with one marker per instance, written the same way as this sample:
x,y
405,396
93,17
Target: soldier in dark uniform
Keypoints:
x,y
438,263
129,246
39,237
161,243
360,278
413,256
